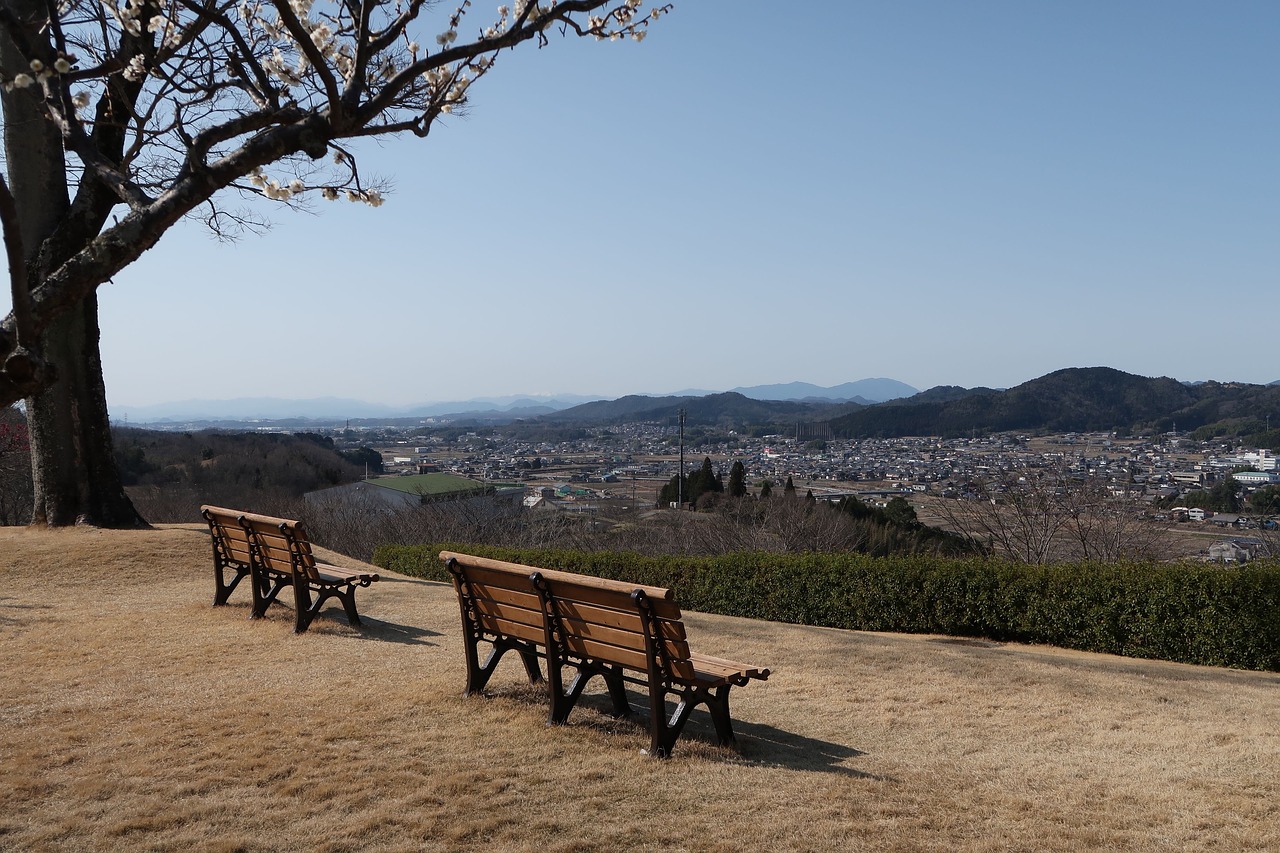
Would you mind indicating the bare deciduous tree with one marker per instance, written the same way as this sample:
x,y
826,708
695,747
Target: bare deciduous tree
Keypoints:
x,y
123,117
1042,516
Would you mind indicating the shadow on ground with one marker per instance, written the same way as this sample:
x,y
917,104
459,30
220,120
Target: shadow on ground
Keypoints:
x,y
758,743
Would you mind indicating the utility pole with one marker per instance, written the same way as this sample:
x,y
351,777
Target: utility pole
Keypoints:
x,y
680,479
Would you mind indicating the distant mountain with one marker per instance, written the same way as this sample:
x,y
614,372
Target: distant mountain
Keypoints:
x,y
944,393
250,408
335,409
865,391
728,409
1070,400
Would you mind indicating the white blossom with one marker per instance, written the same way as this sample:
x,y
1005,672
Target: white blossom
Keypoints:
x,y
37,66
61,65
22,81
136,68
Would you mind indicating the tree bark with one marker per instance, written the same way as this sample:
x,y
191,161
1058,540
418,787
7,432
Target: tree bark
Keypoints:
x,y
72,457
72,460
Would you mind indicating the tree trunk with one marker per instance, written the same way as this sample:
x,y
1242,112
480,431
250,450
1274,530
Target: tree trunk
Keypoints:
x,y
72,462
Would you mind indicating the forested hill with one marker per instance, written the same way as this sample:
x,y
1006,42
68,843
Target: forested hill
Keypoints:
x,y
729,408
1072,400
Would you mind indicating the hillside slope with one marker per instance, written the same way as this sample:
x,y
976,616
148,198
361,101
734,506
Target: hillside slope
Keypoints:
x,y
141,718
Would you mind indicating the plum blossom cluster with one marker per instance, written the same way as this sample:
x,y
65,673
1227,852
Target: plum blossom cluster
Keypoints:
x,y
276,191
273,189
625,21
39,72
296,55
129,14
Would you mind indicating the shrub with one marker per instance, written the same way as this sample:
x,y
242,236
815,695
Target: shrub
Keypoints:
x,y
1186,612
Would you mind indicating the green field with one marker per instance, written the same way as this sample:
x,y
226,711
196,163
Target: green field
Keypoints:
x,y
430,484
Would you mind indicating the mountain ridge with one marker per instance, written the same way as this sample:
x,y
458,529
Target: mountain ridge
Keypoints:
x,y
864,391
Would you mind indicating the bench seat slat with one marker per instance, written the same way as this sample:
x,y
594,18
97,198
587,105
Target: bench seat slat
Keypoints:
x,y
500,579
613,598
509,612
626,648
586,648
719,667
337,574
616,619
508,628
506,595
654,592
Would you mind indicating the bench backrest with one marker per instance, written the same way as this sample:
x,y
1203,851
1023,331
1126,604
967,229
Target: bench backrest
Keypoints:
x,y
595,618
281,543
230,539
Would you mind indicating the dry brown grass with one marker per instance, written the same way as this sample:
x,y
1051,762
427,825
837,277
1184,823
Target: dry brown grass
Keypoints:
x,y
138,717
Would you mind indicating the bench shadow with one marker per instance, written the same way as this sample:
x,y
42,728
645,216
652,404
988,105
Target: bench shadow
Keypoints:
x,y
333,620
758,743
15,619
772,745
393,632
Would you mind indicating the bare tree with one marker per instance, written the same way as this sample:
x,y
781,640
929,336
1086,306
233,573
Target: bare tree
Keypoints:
x,y
1107,525
1041,516
122,117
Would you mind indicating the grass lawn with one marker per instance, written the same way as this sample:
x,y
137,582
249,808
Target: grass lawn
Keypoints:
x,y
429,484
138,717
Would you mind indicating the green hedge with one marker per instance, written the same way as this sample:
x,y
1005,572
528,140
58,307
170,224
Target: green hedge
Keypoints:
x,y
1189,612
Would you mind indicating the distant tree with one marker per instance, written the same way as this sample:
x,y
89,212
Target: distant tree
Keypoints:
x,y
316,438
704,480
1224,496
789,490
809,498
899,511
737,480
675,489
1266,501
364,456
766,489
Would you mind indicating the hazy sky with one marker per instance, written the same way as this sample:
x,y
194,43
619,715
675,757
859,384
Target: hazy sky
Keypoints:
x,y
968,194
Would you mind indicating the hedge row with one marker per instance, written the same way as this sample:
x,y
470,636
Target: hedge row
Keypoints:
x,y
1187,612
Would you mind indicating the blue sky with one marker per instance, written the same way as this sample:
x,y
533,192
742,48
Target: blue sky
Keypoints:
x,y
943,193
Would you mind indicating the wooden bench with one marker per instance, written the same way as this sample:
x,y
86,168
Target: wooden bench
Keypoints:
x,y
275,553
621,632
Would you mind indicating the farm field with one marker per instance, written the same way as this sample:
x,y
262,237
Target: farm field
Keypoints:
x,y
138,717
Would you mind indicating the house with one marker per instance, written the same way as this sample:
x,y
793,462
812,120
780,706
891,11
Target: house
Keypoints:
x,y
1256,478
1234,550
1198,514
